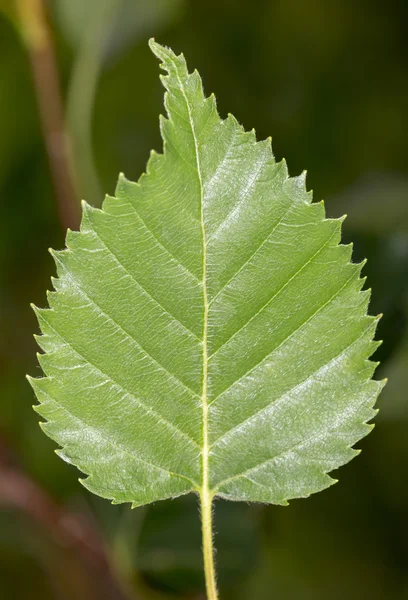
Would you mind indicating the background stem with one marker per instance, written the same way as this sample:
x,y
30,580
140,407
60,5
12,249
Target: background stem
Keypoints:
x,y
85,76
208,547
39,43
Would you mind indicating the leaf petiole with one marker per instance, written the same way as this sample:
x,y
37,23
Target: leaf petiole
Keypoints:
x,y
208,547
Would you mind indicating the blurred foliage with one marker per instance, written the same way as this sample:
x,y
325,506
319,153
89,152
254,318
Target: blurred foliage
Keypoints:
x,y
329,81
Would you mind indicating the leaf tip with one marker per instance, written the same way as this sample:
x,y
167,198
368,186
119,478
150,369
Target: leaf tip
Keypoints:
x,y
152,44
34,308
162,52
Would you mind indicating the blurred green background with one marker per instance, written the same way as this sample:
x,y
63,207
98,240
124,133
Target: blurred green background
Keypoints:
x,y
329,81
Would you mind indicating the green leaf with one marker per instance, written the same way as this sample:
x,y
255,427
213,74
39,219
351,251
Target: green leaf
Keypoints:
x,y
207,331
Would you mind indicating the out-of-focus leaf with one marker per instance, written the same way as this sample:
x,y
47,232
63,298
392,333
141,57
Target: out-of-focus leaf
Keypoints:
x,y
8,8
169,545
130,20
394,403
377,203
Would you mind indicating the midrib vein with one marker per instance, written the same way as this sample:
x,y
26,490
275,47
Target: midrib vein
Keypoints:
x,y
206,493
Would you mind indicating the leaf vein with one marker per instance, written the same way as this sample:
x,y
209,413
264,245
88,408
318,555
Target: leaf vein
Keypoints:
x,y
243,198
281,289
127,334
258,248
277,401
338,421
333,297
148,294
137,401
106,437
161,243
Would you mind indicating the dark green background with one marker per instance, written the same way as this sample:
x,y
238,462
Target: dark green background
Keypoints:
x,y
329,82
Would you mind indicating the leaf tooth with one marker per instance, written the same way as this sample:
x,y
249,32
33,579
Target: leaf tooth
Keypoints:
x,y
296,187
30,380
248,137
60,256
109,205
42,319
39,311
363,278
73,239
364,294
59,283
61,259
88,213
53,430
154,162
234,121
323,205
51,297
165,123
47,343
38,383
345,251
370,331
62,454
45,363
212,101
125,188
316,212
39,339
266,146
368,368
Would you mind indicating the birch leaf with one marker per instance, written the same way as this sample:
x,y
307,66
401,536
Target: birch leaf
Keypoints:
x,y
207,330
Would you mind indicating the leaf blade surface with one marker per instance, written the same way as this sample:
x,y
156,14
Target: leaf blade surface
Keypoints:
x,y
207,330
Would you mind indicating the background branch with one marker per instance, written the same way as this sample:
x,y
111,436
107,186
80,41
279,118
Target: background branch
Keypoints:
x,y
38,39
68,529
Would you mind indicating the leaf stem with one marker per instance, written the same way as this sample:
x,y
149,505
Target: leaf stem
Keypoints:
x,y
208,548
